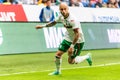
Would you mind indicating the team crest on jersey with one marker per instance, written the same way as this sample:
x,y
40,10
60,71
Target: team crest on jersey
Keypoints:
x,y
67,26
71,20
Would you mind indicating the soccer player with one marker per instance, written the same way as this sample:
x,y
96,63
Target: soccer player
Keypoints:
x,y
73,41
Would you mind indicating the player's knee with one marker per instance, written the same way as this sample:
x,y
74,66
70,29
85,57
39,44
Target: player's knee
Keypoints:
x,y
70,53
71,61
59,54
57,57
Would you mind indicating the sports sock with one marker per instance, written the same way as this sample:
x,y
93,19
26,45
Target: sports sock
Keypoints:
x,y
79,59
58,62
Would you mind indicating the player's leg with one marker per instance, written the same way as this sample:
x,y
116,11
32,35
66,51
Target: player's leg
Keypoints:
x,y
77,50
75,58
58,61
79,59
58,57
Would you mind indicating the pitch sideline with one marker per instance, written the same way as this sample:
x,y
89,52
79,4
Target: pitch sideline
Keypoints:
x,y
101,65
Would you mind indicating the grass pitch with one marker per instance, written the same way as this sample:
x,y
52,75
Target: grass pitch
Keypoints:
x,y
106,66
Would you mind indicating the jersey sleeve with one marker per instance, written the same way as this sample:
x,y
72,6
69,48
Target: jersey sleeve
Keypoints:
x,y
58,19
75,24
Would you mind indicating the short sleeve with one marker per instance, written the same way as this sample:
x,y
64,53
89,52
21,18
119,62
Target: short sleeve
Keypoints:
x,y
75,24
58,19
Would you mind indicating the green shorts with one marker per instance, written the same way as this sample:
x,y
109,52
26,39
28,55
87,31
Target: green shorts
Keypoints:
x,y
64,46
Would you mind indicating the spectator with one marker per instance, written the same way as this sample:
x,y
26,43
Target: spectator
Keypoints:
x,y
47,14
119,3
7,1
35,2
105,1
112,4
116,4
42,3
99,4
1,1
80,4
85,3
31,2
39,2
57,2
73,3
15,2
66,1
91,4
52,1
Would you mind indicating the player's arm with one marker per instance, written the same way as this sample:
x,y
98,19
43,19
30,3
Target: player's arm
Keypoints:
x,y
50,24
76,36
76,31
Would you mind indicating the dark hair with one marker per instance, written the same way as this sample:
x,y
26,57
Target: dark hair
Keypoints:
x,y
46,1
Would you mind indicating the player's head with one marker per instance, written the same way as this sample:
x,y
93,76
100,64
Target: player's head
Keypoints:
x,y
63,7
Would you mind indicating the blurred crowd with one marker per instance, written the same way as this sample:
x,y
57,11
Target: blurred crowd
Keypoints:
x,y
72,3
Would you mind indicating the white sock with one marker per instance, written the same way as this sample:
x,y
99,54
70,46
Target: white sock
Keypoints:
x,y
58,64
80,59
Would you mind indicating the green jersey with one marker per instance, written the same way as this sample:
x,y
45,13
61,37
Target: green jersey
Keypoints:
x,y
70,23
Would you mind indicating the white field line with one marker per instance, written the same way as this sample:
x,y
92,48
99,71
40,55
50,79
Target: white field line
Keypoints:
x,y
100,65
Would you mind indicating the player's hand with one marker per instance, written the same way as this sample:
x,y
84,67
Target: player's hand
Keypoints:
x,y
38,27
70,51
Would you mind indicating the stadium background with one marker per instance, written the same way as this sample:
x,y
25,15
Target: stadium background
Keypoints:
x,y
101,29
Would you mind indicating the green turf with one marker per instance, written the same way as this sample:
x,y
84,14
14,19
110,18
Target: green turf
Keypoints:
x,y
94,73
10,64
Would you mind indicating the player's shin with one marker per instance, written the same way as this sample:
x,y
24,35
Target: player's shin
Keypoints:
x,y
79,59
58,62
